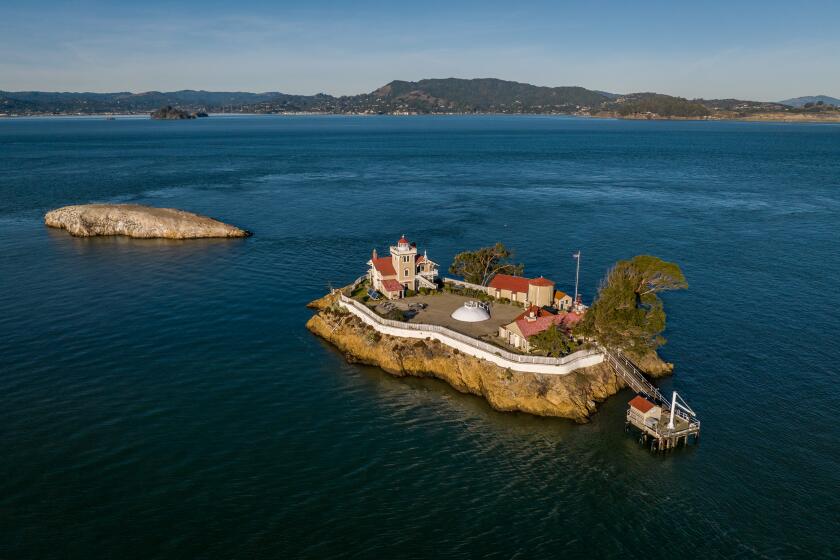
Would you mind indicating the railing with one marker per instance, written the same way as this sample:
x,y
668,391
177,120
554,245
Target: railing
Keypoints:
x,y
424,283
639,383
468,340
478,287
356,282
634,377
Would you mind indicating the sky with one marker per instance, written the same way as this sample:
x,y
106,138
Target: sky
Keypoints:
x,y
762,50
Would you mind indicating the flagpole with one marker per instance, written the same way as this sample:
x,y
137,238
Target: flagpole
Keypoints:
x,y
577,277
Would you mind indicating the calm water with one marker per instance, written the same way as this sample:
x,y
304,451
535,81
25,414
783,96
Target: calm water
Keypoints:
x,y
163,399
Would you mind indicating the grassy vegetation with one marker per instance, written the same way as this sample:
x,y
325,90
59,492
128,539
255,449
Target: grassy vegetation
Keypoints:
x,y
466,292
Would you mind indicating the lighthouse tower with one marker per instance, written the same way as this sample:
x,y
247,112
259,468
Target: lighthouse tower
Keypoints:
x,y
404,259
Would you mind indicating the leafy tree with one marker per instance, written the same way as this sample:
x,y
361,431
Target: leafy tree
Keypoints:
x,y
480,266
552,342
628,313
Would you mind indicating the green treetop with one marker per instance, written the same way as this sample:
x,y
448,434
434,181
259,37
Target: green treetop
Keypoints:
x,y
552,342
628,313
480,266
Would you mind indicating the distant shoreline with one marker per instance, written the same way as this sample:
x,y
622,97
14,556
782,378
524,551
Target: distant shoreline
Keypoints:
x,y
761,117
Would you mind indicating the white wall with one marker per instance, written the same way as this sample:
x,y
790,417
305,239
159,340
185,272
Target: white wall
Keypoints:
x,y
580,359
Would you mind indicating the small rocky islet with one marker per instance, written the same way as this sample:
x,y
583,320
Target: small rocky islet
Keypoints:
x,y
138,221
170,113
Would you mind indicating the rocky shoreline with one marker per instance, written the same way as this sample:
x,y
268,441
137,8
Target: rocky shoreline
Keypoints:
x,y
574,396
135,220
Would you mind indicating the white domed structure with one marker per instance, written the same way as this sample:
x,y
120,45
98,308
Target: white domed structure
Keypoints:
x,y
472,312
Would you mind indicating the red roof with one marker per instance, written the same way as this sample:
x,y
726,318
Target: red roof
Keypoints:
x,y
419,259
402,240
571,319
517,283
560,295
538,325
508,282
563,320
384,265
538,312
391,285
541,282
641,404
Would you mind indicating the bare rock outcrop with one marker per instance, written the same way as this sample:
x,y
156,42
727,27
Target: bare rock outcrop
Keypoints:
x,y
573,396
135,220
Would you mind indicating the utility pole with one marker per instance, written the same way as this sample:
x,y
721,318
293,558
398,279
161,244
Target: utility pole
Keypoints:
x,y
577,277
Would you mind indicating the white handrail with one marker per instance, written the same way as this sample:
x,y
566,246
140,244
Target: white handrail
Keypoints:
x,y
479,345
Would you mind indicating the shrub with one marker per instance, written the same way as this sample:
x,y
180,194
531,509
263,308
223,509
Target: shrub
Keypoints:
x,y
552,342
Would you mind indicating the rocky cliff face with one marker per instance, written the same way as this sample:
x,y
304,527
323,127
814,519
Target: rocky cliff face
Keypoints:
x,y
573,396
135,220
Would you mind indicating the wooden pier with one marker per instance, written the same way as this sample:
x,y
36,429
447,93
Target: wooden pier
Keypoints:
x,y
662,424
658,427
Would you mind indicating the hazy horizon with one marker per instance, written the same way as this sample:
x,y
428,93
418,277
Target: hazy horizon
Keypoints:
x,y
91,46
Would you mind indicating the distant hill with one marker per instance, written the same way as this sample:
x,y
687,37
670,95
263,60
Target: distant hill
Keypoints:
x,y
801,101
445,95
485,95
87,102
656,104
742,105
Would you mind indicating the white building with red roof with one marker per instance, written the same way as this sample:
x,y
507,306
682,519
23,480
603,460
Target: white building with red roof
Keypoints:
x,y
644,411
534,321
402,270
528,291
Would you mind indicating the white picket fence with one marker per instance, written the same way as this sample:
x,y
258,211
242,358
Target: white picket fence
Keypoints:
x,y
472,346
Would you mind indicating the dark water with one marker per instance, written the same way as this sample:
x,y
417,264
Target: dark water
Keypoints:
x,y
162,399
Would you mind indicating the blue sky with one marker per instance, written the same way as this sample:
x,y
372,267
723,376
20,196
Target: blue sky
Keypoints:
x,y
746,49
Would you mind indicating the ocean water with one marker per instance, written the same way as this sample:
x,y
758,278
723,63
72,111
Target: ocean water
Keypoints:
x,y
162,399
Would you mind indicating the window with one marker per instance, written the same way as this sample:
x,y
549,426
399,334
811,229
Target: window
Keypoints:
x,y
405,272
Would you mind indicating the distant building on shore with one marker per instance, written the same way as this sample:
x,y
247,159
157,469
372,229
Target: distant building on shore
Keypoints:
x,y
402,270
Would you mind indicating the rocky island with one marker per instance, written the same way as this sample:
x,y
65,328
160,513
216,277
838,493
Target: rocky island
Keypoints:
x,y
135,220
574,396
574,372
170,113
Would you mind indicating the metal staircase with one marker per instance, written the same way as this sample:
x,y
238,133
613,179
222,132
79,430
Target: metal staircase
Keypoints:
x,y
637,381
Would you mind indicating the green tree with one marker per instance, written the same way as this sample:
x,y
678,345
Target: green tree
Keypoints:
x,y
552,342
480,266
628,313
